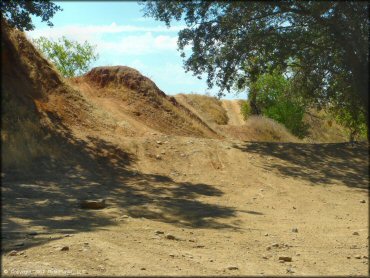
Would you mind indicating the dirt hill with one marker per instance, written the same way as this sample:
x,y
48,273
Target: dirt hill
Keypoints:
x,y
179,199
128,94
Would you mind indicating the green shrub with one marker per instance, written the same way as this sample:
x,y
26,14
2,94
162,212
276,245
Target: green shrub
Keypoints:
x,y
245,109
276,101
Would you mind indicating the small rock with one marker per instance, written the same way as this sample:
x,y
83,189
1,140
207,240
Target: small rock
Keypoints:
x,y
13,253
159,142
182,155
348,257
92,204
358,257
172,255
289,270
266,234
264,257
268,248
33,233
365,257
285,258
275,245
86,243
67,235
355,233
199,246
232,268
294,208
159,232
298,254
143,268
158,156
64,248
295,230
363,201
169,236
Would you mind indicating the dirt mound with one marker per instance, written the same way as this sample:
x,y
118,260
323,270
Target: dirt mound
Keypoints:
x,y
142,100
207,108
38,106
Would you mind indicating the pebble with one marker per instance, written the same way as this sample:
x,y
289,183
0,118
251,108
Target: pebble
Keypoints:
x,y
13,253
158,156
285,258
159,232
295,230
159,142
358,257
232,267
355,233
143,268
266,234
264,257
363,201
64,248
172,255
169,236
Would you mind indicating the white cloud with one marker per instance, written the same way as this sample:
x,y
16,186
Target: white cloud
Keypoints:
x,y
139,44
124,39
90,31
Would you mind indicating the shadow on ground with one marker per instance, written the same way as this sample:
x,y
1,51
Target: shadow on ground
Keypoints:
x,y
47,197
317,163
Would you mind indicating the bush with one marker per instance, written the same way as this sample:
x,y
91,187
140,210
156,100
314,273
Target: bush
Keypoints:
x,y
70,57
245,109
276,101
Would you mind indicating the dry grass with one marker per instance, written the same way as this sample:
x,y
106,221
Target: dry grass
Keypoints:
x,y
208,108
260,129
323,128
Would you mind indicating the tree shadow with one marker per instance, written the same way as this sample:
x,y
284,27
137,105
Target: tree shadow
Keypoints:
x,y
317,163
47,197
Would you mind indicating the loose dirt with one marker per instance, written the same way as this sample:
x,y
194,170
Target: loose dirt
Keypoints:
x,y
232,108
179,198
232,207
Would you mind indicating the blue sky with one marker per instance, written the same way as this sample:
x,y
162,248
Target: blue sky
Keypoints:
x,y
124,37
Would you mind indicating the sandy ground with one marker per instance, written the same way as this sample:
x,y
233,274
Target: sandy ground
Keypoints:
x,y
187,206
232,108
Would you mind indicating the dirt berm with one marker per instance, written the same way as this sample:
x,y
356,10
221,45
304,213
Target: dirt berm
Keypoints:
x,y
175,197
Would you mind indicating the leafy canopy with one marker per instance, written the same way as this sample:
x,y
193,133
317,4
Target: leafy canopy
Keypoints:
x,y
18,12
324,43
70,57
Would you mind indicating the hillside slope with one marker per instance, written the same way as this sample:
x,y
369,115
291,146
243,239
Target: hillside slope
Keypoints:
x,y
141,101
175,205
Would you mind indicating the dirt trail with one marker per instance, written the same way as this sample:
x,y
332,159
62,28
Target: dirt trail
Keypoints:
x,y
233,112
182,201
230,206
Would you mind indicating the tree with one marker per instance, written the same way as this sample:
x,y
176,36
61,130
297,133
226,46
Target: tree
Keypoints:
x,y
18,12
277,101
326,43
70,57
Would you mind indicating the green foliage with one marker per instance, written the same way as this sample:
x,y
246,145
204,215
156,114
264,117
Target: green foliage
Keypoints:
x,y
325,43
245,109
355,123
276,101
70,57
18,12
